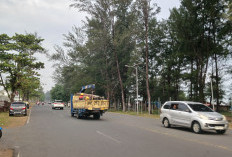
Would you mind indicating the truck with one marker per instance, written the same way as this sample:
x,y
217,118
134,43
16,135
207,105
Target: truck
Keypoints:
x,y
84,105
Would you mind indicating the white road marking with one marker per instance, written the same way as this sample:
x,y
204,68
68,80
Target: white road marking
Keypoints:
x,y
109,137
28,120
18,154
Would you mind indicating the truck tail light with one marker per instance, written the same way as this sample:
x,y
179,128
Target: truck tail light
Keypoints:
x,y
24,108
11,108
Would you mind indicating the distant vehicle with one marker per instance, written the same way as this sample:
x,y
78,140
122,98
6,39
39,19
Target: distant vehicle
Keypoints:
x,y
18,108
58,104
193,115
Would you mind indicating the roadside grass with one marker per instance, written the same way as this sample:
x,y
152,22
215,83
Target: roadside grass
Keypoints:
x,y
143,114
7,121
4,119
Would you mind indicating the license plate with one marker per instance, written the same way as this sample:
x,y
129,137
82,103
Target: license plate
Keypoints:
x,y
219,127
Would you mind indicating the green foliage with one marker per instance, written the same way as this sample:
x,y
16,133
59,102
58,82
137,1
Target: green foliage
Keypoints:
x,y
17,64
179,49
58,93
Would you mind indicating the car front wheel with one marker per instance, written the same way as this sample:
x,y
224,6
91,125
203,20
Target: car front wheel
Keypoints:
x,y
166,123
196,128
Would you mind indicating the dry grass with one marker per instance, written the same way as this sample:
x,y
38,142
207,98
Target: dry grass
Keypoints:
x,y
7,121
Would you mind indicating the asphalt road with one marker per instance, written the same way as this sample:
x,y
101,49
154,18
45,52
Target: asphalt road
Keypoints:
x,y
54,133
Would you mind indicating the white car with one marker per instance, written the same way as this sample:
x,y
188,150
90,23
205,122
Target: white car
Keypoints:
x,y
58,104
193,115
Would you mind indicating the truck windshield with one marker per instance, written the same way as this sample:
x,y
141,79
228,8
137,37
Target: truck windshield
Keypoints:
x,y
200,108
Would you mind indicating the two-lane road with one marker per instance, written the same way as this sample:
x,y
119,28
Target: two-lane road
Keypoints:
x,y
54,133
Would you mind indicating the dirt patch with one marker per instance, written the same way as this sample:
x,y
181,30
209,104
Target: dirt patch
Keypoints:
x,y
6,152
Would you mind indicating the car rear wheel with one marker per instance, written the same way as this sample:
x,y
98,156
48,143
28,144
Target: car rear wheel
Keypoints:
x,y
166,123
196,127
220,131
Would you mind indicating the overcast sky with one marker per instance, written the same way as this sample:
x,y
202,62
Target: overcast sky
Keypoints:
x,y
50,19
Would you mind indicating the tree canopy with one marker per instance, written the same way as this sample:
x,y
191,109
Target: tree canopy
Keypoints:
x,y
18,66
175,57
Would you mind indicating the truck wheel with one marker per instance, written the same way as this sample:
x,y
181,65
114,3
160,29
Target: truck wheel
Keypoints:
x,y
72,114
0,133
79,117
96,116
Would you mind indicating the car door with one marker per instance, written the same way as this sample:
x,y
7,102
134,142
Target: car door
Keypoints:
x,y
174,113
184,115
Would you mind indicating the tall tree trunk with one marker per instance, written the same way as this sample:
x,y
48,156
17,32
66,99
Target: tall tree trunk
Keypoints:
x,y
191,81
145,13
118,69
217,82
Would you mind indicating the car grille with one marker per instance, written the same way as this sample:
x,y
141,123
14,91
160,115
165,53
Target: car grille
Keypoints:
x,y
213,125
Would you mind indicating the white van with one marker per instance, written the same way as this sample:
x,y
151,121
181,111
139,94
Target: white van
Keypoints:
x,y
193,115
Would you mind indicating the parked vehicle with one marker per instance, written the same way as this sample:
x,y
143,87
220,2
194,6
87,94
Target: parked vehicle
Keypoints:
x,y
18,108
193,115
58,104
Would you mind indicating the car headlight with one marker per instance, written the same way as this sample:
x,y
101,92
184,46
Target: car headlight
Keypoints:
x,y
224,117
203,117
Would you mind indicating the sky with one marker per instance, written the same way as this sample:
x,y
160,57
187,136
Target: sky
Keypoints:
x,y
50,19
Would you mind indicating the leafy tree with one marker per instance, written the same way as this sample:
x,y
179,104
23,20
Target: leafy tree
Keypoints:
x,y
58,93
17,64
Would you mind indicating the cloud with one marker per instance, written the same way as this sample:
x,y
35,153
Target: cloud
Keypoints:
x,y
49,18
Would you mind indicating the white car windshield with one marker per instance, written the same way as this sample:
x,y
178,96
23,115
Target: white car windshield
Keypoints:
x,y
200,108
